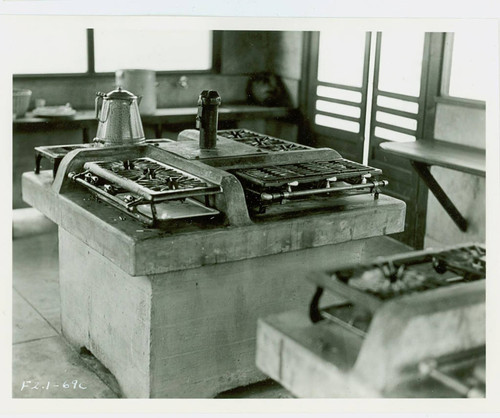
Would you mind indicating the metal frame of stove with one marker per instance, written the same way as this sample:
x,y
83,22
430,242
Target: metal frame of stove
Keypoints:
x,y
437,367
94,173
229,201
239,193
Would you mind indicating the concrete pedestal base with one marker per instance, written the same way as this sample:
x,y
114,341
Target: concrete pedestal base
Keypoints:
x,y
187,333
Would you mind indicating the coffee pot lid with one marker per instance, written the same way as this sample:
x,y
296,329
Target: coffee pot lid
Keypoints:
x,y
120,94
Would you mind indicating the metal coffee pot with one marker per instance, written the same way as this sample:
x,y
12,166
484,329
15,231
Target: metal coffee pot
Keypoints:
x,y
119,118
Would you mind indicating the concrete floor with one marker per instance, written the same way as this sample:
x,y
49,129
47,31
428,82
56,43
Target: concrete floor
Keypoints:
x,y
44,364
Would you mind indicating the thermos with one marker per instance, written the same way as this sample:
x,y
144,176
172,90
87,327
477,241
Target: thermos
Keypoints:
x,y
207,118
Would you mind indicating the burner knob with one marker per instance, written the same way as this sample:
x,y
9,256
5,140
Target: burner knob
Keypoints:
x,y
439,265
330,180
109,189
90,178
364,177
290,185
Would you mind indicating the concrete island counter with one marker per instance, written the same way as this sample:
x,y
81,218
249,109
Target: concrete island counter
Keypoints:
x,y
171,307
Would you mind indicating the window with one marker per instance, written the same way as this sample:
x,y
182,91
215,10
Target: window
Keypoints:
x,y
152,49
401,62
50,52
347,79
396,110
341,57
341,81
107,50
466,59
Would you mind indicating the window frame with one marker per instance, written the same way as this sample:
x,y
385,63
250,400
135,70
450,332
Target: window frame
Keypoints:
x,y
215,68
444,88
354,139
420,99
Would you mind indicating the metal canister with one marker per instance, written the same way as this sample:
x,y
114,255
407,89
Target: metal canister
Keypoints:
x,y
143,84
207,118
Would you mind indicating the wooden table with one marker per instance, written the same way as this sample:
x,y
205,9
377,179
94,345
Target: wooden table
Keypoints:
x,y
425,153
85,119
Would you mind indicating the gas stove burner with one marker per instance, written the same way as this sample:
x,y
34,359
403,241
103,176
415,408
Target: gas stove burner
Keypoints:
x,y
402,275
270,184
151,179
277,175
262,142
153,176
393,281
148,190
470,260
55,154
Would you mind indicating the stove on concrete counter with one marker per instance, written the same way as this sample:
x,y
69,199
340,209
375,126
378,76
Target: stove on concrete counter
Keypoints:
x,y
170,251
411,325
270,170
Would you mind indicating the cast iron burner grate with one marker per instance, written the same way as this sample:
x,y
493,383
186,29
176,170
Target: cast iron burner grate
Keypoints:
x,y
262,142
391,278
276,175
148,190
386,278
152,175
151,179
369,286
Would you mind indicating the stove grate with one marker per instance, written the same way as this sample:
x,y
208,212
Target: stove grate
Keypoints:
x,y
262,142
275,175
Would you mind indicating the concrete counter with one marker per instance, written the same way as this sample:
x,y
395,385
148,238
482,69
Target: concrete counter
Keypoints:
x,y
173,313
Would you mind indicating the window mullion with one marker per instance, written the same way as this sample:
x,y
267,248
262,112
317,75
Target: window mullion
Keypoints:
x,y
90,51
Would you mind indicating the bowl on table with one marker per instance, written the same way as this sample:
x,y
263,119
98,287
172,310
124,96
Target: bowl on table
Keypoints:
x,y
21,102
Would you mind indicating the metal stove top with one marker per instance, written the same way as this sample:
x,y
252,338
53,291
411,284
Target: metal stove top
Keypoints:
x,y
277,175
371,285
279,183
151,179
261,141
147,189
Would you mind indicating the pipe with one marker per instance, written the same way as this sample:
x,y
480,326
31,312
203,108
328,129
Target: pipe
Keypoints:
x,y
269,197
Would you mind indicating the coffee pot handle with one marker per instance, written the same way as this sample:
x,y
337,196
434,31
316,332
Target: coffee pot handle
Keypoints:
x,y
98,105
